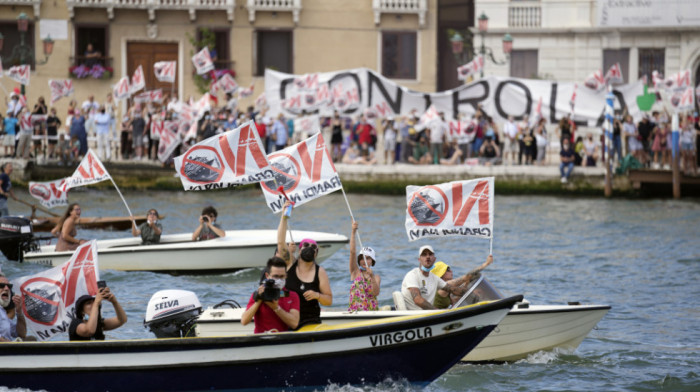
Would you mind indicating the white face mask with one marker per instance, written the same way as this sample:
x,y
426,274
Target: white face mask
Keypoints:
x,y
279,283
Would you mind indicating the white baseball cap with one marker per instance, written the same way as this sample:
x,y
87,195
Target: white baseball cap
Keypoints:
x,y
424,247
368,252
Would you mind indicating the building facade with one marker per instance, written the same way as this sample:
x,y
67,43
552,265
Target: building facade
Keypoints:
x,y
567,40
398,38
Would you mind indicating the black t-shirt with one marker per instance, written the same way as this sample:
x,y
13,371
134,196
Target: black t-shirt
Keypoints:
x,y
568,153
645,129
99,332
309,311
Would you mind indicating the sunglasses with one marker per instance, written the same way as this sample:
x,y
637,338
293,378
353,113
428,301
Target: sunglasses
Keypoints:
x,y
307,244
152,213
3,285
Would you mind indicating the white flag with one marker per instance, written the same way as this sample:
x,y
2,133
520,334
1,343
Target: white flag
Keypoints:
x,y
595,81
137,81
246,92
227,83
429,116
233,158
49,297
169,139
458,208
471,68
121,89
165,71
150,96
678,81
60,89
202,61
49,193
683,100
20,74
90,171
304,170
307,125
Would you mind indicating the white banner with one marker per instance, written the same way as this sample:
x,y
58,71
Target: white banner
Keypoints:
x,y
165,71
261,103
679,81
150,96
202,61
458,208
90,171
471,68
49,193
137,81
304,170
121,89
683,100
20,74
49,297
60,88
307,125
614,74
352,91
236,157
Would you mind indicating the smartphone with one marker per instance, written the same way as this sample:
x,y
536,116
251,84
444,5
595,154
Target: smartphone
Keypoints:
x,y
101,284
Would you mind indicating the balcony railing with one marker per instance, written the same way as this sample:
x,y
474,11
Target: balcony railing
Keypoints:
x,y
36,4
418,7
525,16
192,6
293,6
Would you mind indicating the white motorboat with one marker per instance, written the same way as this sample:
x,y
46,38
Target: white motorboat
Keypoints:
x,y
177,253
526,329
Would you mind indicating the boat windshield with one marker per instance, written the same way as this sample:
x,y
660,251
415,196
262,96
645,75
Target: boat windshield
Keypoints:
x,y
479,290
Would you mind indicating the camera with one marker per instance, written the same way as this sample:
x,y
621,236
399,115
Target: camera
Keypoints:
x,y
205,218
271,293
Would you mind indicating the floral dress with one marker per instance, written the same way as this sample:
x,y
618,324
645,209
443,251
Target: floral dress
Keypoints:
x,y
361,297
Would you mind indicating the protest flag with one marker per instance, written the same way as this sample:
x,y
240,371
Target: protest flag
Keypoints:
x,y
50,193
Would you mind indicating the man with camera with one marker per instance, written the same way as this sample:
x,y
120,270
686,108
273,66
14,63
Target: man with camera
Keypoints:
x,y
208,228
272,306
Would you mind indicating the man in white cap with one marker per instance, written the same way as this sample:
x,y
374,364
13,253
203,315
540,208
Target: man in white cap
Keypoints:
x,y
420,286
11,327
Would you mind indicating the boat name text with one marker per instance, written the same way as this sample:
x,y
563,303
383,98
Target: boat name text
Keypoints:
x,y
401,336
167,304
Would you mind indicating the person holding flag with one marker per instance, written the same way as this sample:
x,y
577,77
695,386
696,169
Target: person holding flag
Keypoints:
x,y
364,289
94,326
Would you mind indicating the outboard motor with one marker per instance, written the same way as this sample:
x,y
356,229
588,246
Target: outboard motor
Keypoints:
x,y
16,237
172,313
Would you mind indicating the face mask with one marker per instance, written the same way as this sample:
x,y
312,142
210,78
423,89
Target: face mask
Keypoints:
x,y
307,254
424,269
279,283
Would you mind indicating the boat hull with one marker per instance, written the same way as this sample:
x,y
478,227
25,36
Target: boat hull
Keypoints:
x,y
401,348
177,253
521,333
44,224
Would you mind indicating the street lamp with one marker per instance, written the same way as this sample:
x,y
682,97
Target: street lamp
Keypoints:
x,y
23,52
486,51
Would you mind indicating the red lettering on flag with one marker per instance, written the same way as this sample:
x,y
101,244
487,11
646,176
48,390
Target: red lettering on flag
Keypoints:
x,y
92,168
461,211
246,140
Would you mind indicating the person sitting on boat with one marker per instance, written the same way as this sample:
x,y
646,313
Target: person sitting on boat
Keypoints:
x,y
208,228
93,328
443,299
150,230
10,328
5,188
304,276
419,286
273,307
364,289
66,230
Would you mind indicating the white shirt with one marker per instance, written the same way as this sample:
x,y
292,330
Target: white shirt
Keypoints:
x,y
8,328
438,128
510,129
90,108
428,286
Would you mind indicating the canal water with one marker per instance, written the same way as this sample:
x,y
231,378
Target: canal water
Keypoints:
x,y
642,257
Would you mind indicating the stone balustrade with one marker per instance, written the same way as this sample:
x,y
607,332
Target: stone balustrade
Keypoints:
x,y
418,7
151,6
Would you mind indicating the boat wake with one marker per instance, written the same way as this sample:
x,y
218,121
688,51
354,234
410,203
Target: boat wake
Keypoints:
x,y
545,357
388,385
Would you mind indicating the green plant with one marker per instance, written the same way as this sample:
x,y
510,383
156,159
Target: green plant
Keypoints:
x,y
207,39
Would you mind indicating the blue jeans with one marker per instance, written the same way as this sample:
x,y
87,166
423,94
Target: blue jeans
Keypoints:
x,y
617,147
565,169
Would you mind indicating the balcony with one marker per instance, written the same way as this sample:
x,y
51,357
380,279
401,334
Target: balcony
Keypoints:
x,y
36,4
418,7
191,6
293,6
525,15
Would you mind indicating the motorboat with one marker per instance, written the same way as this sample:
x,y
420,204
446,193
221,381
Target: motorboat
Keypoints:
x,y
355,353
526,329
177,253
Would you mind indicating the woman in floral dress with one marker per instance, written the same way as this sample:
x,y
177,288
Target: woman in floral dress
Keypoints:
x,y
364,289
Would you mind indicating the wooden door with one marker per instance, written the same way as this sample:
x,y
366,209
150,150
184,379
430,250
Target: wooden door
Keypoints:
x,y
148,53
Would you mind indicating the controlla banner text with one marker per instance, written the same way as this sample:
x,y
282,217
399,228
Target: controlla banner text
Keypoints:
x,y
361,90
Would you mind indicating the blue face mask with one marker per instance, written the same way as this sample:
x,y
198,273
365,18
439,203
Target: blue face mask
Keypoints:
x,y
363,269
425,269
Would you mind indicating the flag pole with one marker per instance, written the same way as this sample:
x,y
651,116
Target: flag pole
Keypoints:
x,y
351,216
122,196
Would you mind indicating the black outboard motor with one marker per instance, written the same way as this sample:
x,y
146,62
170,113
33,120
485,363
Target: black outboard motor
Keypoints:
x,y
16,237
172,313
